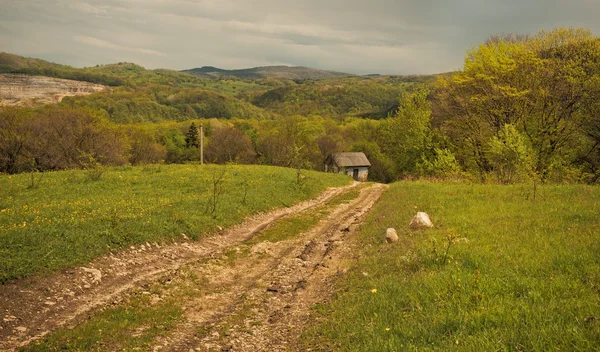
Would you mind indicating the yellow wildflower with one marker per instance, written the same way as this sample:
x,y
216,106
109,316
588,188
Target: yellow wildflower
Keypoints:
x,y
374,290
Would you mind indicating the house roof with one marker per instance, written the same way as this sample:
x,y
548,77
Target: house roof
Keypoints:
x,y
350,159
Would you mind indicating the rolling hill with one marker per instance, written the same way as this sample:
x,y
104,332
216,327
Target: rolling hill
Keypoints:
x,y
286,72
138,94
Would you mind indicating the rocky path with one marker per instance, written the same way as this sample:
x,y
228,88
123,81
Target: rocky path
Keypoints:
x,y
259,301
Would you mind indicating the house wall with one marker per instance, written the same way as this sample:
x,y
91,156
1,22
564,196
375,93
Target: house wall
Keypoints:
x,y
363,172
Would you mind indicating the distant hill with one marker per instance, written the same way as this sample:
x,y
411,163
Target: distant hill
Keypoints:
x,y
137,94
288,72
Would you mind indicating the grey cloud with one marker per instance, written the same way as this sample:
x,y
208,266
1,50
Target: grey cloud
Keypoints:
x,y
385,36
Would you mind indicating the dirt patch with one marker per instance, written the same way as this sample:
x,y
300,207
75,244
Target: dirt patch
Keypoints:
x,y
31,308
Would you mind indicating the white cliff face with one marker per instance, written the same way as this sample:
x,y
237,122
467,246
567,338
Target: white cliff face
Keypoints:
x,y
25,90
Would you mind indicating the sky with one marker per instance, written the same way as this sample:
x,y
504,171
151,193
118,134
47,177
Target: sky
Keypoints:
x,y
354,36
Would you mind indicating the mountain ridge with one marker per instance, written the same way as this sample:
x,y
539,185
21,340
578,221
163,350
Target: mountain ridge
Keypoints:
x,y
262,72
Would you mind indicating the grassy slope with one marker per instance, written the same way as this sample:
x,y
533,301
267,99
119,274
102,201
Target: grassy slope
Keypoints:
x,y
523,275
69,219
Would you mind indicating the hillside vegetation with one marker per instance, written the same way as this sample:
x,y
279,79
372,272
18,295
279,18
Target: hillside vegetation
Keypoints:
x,y
61,219
524,277
522,109
241,94
356,96
287,72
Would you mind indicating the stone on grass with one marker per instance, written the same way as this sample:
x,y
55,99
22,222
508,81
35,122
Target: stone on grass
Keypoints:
x,y
421,221
391,235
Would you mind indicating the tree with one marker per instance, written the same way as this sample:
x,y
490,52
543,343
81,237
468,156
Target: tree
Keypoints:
x,y
228,144
541,85
144,147
192,139
407,135
290,141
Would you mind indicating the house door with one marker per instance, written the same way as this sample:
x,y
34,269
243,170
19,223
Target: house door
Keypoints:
x,y
355,174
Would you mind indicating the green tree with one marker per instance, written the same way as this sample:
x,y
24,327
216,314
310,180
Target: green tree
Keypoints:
x,y
407,135
192,139
541,85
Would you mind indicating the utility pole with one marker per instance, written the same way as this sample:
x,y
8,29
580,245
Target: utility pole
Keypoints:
x,y
201,145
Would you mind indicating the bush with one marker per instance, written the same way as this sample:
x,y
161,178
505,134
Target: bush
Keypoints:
x,y
444,165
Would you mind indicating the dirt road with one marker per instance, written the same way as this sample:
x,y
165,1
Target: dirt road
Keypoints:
x,y
262,297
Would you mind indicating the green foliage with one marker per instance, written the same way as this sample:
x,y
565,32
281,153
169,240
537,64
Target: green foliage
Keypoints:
x,y
192,137
122,74
546,86
69,220
443,165
284,72
524,276
365,97
407,135
510,156
155,103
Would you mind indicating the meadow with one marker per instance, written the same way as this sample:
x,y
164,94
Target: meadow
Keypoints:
x,y
56,220
501,270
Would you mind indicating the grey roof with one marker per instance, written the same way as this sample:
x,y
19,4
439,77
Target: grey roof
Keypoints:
x,y
350,159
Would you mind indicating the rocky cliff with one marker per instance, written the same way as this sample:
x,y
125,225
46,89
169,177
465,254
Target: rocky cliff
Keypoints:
x,y
25,90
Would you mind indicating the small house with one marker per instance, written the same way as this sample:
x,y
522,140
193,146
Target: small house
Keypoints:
x,y
352,164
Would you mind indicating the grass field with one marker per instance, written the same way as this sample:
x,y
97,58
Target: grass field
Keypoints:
x,y
519,274
67,218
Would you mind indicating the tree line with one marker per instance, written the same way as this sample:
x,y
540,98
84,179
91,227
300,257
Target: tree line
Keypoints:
x,y
522,108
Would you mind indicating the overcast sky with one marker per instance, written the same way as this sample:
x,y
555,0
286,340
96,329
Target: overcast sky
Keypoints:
x,y
355,36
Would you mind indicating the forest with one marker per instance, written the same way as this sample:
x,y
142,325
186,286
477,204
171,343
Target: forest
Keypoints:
x,y
522,108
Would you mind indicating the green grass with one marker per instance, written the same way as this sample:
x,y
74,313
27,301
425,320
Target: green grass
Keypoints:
x,y
67,219
519,275
132,326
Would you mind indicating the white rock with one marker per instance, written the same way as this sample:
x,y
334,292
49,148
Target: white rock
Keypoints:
x,y
391,235
420,221
96,274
